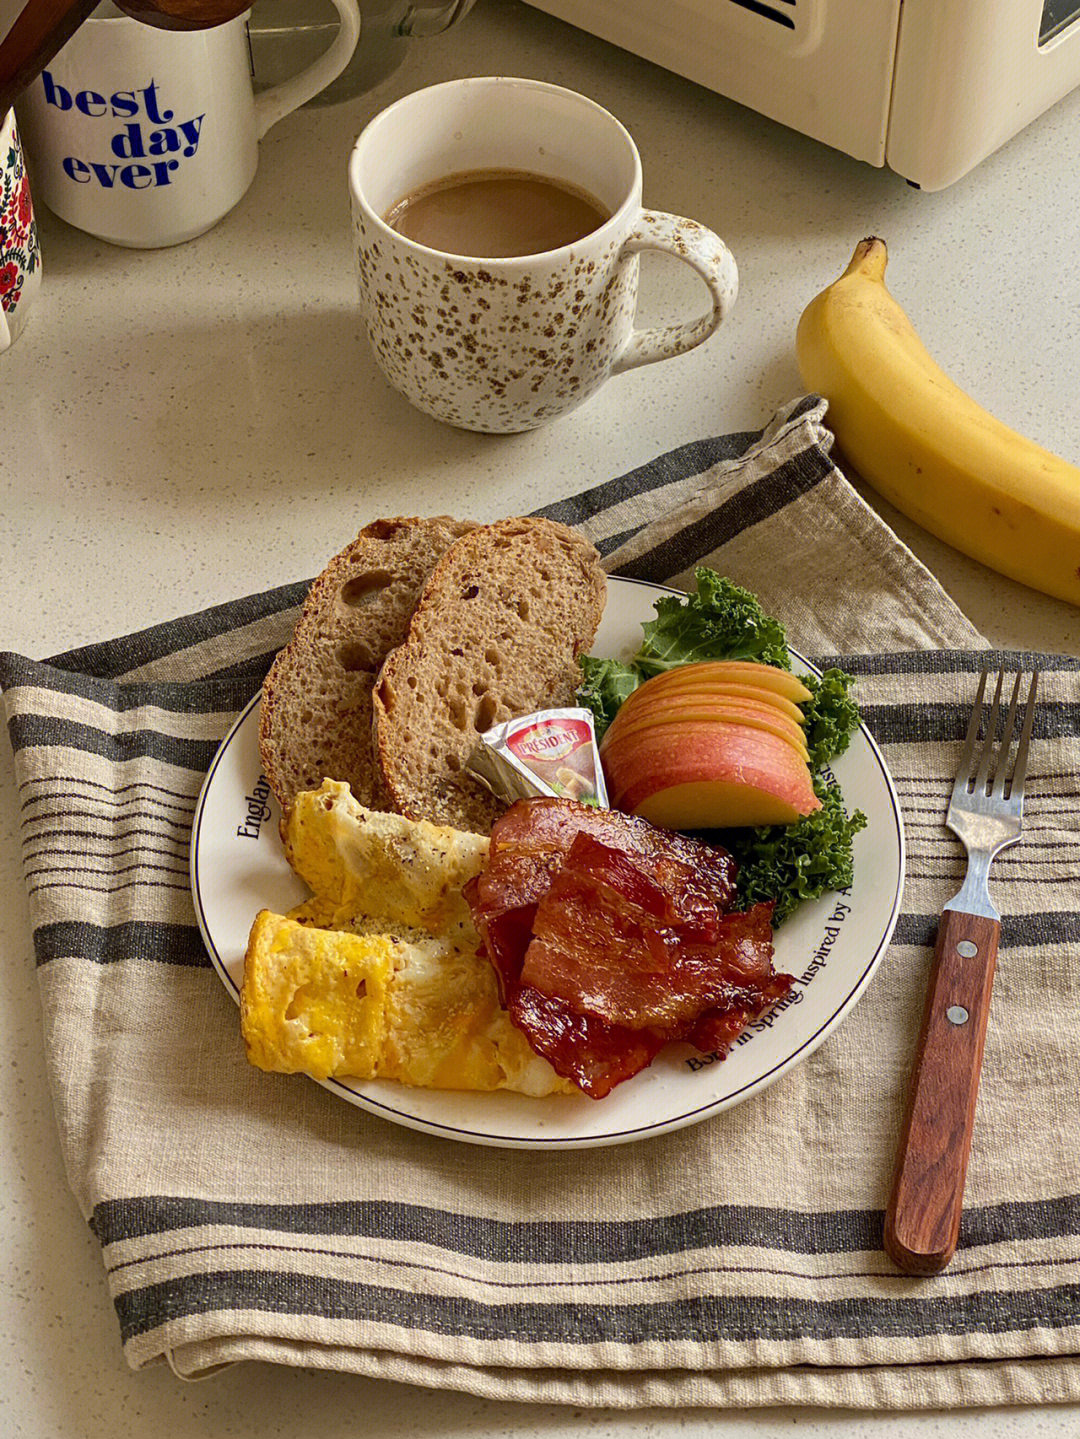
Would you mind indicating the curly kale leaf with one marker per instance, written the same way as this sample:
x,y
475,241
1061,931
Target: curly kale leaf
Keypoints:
x,y
606,684
832,716
793,863
722,621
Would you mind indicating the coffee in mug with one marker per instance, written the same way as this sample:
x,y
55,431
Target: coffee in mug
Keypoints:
x,y
497,213
506,341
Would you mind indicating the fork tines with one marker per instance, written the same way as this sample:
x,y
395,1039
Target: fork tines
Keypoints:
x,y
994,776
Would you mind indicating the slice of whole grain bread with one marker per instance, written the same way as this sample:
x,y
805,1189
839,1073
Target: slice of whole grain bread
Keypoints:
x,y
496,633
315,721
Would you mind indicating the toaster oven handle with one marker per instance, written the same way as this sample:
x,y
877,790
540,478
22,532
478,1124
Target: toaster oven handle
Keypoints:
x,y
704,252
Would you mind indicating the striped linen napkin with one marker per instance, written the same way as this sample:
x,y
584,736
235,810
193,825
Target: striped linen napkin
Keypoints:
x,y
738,1262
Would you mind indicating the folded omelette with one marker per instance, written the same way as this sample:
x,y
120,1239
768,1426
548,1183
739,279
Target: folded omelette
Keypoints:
x,y
380,974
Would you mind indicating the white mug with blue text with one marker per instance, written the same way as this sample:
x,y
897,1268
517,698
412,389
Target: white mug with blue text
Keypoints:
x,y
148,137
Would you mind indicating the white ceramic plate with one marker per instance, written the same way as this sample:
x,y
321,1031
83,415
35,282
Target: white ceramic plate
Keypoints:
x,y
832,946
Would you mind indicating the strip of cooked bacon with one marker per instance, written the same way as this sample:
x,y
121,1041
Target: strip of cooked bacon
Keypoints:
x,y
529,845
546,827
718,1029
595,1055
607,942
611,937
503,923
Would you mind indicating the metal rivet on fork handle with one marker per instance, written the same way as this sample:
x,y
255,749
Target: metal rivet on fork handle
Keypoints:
x,y
956,1014
967,949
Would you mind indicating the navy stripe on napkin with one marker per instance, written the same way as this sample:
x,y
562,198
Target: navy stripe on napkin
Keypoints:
x,y
108,774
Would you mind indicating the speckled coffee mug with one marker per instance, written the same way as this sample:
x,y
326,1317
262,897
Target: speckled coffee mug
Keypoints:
x,y
501,345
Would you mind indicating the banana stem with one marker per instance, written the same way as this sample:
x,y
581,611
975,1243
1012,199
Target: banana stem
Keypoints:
x,y
869,260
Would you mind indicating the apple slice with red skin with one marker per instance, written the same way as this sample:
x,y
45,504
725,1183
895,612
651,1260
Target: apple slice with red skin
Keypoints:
x,y
645,696
704,775
723,711
737,672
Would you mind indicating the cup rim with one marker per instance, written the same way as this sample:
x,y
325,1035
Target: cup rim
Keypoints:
x,y
615,222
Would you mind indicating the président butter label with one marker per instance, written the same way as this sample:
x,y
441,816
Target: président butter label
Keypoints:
x,y
551,752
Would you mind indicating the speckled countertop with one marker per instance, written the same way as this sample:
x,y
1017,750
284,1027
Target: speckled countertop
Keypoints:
x,y
185,426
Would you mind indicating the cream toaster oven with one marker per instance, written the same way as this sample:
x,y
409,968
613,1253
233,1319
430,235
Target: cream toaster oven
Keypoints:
x,y
927,87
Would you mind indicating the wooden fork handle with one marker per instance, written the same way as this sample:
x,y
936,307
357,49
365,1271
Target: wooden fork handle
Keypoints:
x,y
922,1221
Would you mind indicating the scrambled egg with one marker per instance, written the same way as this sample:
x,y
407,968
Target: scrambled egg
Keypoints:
x,y
370,869
378,975
314,1000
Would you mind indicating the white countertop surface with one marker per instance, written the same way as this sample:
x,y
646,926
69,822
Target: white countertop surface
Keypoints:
x,y
185,426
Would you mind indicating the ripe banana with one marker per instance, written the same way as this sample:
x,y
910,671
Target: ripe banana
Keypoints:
x,y
928,448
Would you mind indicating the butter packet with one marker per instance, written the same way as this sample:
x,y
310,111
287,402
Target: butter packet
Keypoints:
x,y
551,752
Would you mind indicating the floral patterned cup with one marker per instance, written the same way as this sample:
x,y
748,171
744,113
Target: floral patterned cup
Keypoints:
x,y
507,344
20,258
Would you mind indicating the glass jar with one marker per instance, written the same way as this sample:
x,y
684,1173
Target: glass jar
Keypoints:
x,y
286,35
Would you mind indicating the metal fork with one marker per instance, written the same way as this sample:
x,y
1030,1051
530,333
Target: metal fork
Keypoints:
x,y
986,811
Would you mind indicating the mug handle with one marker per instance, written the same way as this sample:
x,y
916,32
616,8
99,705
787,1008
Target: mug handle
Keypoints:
x,y
274,104
702,251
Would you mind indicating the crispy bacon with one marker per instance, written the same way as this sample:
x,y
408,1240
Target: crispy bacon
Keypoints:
x,y
718,1029
603,951
546,829
529,845
505,930
595,1055
503,900
611,937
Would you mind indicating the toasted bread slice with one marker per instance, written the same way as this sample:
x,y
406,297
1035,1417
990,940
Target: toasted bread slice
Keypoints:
x,y
496,633
315,720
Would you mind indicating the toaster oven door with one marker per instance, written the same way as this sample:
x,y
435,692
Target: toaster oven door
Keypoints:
x,y
824,67
970,74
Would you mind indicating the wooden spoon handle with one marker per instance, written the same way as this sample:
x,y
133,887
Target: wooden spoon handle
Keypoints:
x,y
41,28
922,1221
